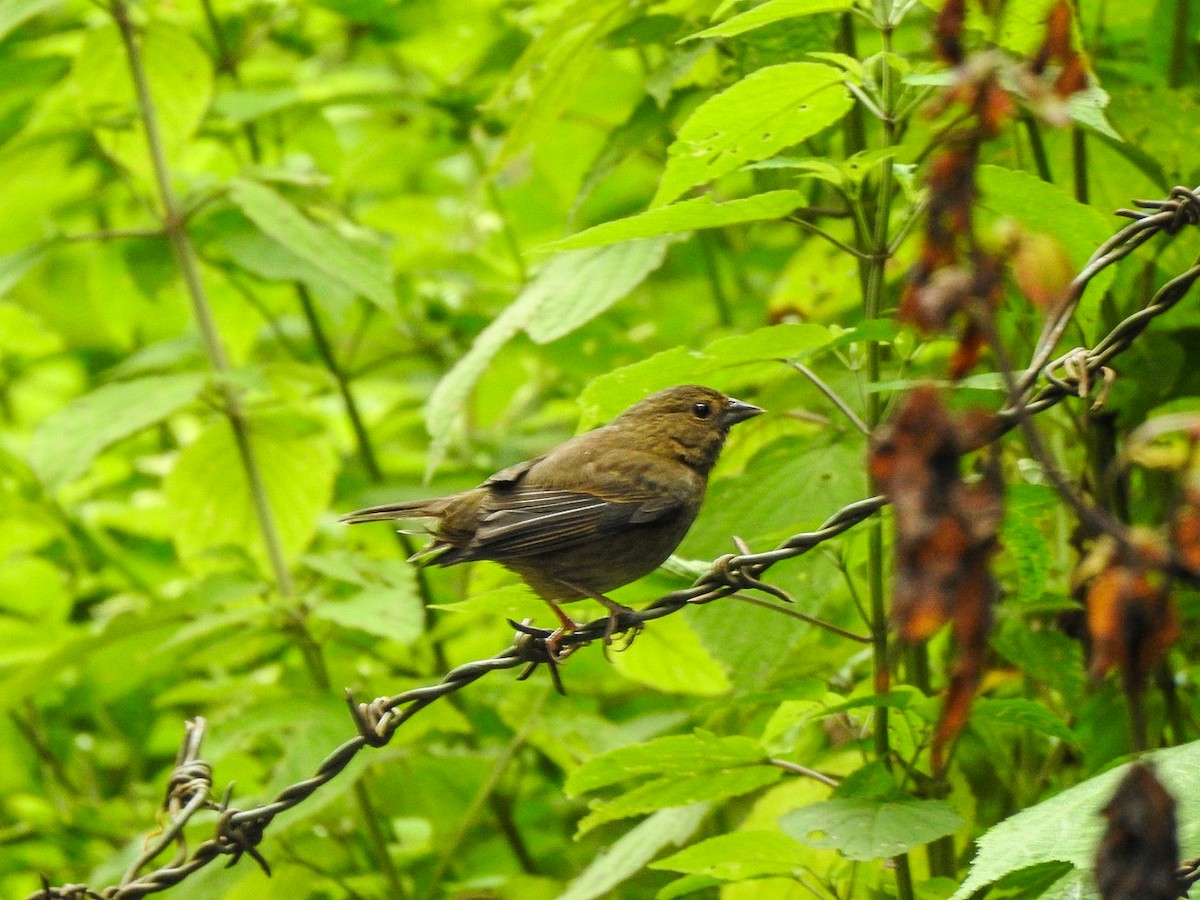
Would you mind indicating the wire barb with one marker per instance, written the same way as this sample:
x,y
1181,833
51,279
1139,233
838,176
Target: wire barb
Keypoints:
x,y
238,833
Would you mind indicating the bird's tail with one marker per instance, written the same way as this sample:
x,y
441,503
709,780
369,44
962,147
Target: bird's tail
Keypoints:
x,y
405,509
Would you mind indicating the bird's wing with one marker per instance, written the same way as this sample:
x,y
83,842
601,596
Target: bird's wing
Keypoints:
x,y
525,521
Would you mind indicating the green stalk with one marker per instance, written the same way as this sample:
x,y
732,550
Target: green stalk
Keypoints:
x,y
1181,40
366,450
872,306
712,273
1079,163
185,256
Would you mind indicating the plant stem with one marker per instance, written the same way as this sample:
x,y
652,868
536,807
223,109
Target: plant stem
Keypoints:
x,y
493,197
1079,163
713,274
1037,147
872,306
189,268
853,128
366,451
185,255
483,795
1181,40
362,439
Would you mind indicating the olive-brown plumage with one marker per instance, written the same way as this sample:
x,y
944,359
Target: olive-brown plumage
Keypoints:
x,y
596,512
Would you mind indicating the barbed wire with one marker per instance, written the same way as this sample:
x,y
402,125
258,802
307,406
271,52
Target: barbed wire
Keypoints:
x,y
237,833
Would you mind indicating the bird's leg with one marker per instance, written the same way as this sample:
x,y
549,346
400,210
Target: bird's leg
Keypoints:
x,y
614,608
565,626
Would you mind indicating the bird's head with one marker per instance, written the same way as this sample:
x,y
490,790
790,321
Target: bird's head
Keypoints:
x,y
689,422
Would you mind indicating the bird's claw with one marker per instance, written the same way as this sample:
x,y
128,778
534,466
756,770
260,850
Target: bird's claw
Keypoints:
x,y
539,645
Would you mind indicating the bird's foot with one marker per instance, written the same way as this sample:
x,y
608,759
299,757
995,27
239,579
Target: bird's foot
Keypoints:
x,y
556,655
617,613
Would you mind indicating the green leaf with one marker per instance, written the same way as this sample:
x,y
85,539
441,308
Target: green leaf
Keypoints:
x,y
1026,548
870,829
571,289
739,855
700,212
630,853
679,790
685,886
359,267
674,662
181,85
679,754
574,288
1046,208
613,392
1067,827
771,11
15,266
393,612
552,70
15,13
1045,655
209,500
1023,714
768,110
255,251
66,443
1087,108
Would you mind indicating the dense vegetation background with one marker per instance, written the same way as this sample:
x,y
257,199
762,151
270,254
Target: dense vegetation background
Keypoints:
x,y
348,259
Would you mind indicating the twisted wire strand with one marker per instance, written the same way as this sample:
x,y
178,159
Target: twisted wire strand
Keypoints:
x,y
237,832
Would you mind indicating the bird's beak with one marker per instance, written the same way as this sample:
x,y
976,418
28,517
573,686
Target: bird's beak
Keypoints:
x,y
737,411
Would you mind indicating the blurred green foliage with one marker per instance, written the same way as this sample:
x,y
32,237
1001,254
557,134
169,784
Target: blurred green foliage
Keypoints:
x,y
437,237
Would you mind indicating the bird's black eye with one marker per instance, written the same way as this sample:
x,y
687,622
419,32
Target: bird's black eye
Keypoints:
x,y
702,410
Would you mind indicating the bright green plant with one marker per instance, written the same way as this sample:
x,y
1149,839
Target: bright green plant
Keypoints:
x,y
262,263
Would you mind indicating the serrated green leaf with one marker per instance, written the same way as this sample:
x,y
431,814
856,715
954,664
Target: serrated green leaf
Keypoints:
x,y
181,85
575,288
738,856
255,251
679,790
679,754
1087,108
1023,714
552,70
393,612
629,854
674,662
359,267
1026,547
771,11
768,110
14,13
23,334
209,499
1046,208
66,443
609,394
572,288
687,215
688,884
871,829
14,266
1045,655
1067,827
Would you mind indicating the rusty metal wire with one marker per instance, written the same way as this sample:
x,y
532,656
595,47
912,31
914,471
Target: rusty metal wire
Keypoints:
x,y
238,833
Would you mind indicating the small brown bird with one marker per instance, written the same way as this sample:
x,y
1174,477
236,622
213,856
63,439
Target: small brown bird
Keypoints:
x,y
595,513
